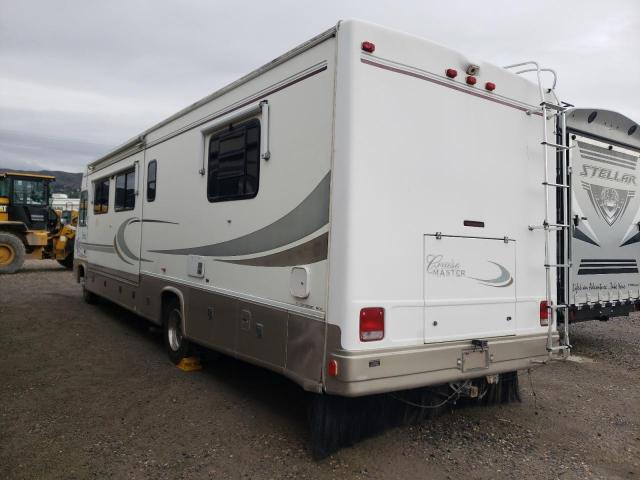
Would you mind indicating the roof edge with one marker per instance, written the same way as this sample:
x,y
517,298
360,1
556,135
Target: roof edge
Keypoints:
x,y
140,139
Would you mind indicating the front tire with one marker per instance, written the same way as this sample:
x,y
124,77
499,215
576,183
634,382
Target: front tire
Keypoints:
x,y
178,347
12,253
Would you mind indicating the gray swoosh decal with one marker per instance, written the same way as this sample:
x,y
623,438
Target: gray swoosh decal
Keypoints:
x,y
120,241
115,247
500,280
309,216
315,250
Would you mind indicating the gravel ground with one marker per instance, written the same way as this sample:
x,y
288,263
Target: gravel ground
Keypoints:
x,y
87,392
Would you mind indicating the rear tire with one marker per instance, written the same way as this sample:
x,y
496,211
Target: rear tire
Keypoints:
x,y
12,253
178,347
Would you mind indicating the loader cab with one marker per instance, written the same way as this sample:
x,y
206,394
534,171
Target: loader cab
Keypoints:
x,y
24,198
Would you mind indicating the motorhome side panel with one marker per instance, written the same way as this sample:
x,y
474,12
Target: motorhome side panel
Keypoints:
x,y
238,221
437,182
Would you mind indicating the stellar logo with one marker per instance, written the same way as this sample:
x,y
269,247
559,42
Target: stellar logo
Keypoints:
x,y
609,203
607,174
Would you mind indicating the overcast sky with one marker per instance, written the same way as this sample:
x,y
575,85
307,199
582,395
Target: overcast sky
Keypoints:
x,y
78,77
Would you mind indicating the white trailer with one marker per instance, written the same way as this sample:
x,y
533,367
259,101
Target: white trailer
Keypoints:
x,y
364,214
605,204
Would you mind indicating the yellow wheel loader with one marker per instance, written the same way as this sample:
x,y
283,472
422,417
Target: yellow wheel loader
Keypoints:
x,y
29,227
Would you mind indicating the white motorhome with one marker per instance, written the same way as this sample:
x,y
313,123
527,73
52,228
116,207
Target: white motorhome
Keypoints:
x,y
605,205
369,212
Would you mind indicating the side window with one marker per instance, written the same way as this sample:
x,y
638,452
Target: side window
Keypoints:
x,y
234,162
125,190
101,196
82,213
152,170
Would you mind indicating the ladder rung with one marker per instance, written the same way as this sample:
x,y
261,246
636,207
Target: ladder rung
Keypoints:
x,y
559,307
558,225
554,145
557,185
553,106
563,265
559,348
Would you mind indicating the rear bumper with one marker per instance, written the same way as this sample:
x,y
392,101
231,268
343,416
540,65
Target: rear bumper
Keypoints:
x,y
371,372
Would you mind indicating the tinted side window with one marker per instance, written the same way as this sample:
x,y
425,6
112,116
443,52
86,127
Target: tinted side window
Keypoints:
x,y
152,171
82,213
125,190
101,196
234,162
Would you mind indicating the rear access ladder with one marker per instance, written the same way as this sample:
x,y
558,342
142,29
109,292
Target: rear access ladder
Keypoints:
x,y
560,186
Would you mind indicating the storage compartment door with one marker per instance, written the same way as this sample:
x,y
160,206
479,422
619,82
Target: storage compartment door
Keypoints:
x,y
469,288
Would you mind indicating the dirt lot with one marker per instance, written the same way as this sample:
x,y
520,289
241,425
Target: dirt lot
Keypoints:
x,y
88,392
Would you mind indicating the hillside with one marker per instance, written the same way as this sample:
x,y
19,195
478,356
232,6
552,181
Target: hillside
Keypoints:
x,y
66,182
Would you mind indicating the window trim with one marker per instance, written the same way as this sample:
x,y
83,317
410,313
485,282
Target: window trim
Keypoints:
x,y
217,133
124,173
155,180
101,182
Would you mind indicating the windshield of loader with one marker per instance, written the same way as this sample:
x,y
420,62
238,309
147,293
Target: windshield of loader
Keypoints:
x,y
4,187
29,192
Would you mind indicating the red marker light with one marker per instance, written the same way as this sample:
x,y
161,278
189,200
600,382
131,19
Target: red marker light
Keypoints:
x,y
490,86
332,368
471,80
451,72
368,47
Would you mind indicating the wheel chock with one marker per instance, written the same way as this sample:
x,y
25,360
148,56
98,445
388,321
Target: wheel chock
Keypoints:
x,y
190,364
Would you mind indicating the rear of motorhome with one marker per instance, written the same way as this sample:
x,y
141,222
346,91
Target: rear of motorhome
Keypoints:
x,y
605,204
370,212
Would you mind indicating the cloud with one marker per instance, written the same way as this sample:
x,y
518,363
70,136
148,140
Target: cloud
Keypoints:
x,y
79,77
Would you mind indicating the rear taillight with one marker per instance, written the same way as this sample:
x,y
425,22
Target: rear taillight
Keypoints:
x,y
544,313
371,324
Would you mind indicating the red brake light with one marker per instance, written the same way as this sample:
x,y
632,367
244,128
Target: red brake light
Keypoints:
x,y
490,86
371,324
471,80
368,47
544,313
451,72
